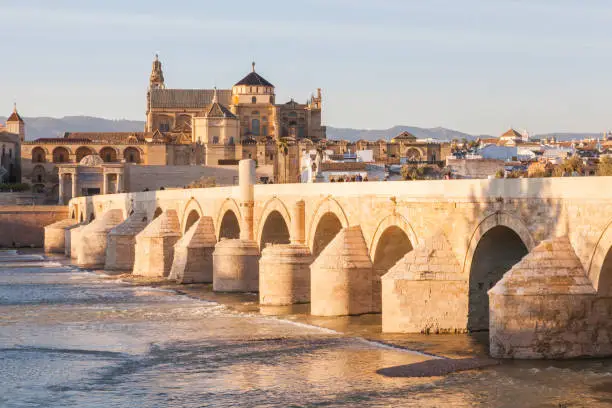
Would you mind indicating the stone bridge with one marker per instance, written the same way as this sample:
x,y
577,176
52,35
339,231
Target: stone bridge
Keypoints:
x,y
528,259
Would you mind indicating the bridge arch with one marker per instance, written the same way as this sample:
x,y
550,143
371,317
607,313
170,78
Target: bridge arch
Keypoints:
x,y
191,214
498,243
328,219
600,265
228,220
273,209
394,237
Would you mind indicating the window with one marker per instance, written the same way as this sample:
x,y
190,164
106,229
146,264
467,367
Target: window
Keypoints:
x,y
264,131
10,153
164,127
215,140
255,127
254,99
231,140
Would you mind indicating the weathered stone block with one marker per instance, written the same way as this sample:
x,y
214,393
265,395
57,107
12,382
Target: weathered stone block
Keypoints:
x,y
155,245
55,240
284,275
540,309
91,250
193,254
121,242
425,292
236,266
341,276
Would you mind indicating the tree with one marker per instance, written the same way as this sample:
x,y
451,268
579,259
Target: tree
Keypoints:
x,y
538,170
604,168
569,166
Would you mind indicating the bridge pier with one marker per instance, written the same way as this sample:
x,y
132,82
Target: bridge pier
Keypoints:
x,y
425,292
284,270
91,249
236,261
154,250
75,240
55,241
547,307
68,238
193,260
341,276
121,242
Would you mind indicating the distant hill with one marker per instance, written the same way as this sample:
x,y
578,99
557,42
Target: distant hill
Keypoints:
x,y
438,133
55,127
38,127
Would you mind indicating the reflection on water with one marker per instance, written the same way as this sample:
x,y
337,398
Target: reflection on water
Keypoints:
x,y
68,338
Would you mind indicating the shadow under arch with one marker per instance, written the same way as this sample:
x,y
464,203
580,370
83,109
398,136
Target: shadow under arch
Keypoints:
x,y
229,226
274,205
393,238
328,219
498,249
275,230
600,265
191,213
223,229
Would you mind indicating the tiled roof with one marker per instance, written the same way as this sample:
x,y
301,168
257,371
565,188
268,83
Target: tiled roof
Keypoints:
x,y
14,117
512,133
254,79
405,136
217,110
188,98
106,136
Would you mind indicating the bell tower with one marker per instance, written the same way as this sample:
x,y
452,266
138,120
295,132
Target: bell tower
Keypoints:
x,y
156,81
15,125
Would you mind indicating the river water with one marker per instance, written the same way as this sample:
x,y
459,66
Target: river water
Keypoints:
x,y
69,338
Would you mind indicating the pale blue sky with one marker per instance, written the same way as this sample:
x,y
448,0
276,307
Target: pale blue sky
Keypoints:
x,y
477,66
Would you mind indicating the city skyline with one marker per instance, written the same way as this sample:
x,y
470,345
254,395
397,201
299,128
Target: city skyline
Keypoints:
x,y
475,67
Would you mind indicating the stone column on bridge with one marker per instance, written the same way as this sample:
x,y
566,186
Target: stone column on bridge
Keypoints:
x,y
236,261
298,223
91,252
246,180
341,277
284,270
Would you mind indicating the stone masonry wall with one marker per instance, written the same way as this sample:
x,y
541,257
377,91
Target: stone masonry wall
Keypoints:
x,y
23,226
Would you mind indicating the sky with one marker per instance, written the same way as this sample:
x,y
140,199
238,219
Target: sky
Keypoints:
x,y
478,66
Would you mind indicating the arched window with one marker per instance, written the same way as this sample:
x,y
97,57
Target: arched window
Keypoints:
x,y
108,154
255,127
254,99
60,155
38,155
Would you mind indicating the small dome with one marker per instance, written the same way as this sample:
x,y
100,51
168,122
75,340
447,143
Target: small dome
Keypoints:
x,y
92,160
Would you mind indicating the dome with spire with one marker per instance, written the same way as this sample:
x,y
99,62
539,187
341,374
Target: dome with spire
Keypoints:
x,y
157,74
254,79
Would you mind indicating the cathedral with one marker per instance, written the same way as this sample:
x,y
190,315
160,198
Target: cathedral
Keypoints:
x,y
225,125
184,127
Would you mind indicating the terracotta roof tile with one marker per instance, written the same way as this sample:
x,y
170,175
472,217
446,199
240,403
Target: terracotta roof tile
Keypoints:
x,y
188,98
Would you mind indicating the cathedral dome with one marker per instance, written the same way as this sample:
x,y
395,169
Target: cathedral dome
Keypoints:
x,y
254,79
92,160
